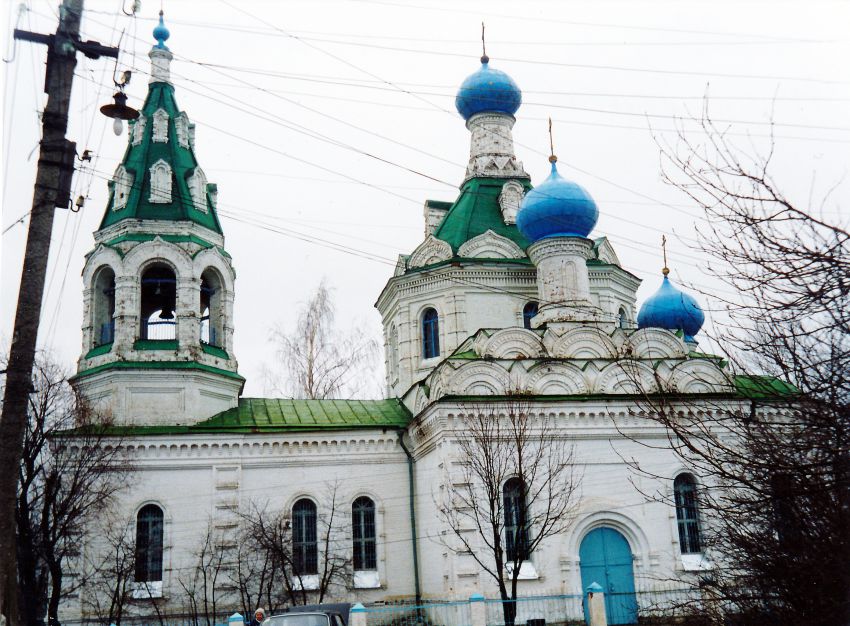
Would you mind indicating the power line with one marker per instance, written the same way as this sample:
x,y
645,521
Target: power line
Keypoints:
x,y
346,249
552,20
619,42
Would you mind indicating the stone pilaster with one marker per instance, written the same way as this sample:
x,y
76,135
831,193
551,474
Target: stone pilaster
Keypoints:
x,y
126,313
188,320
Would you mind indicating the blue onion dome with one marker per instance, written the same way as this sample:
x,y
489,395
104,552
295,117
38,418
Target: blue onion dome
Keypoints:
x,y
160,33
673,309
556,208
488,90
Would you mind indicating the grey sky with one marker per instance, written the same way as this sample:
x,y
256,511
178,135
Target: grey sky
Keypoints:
x,y
292,98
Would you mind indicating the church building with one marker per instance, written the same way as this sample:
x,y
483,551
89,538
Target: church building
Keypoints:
x,y
509,298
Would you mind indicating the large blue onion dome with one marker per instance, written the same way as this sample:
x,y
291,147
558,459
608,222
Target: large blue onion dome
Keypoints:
x,y
673,309
161,33
557,208
488,90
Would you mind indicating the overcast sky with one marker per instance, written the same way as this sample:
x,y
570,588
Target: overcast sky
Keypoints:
x,y
326,125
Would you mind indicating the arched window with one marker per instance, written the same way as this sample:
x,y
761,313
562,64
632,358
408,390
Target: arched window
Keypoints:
x,y
149,544
305,549
528,311
363,525
121,189
212,315
430,334
160,126
103,307
198,190
139,130
516,523
621,318
159,298
181,125
160,183
687,513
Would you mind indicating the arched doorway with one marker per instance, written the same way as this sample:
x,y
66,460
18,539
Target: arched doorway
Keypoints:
x,y
606,559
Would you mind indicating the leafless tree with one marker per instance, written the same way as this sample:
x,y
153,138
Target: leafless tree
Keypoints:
x,y
269,573
317,359
773,461
71,467
109,569
204,585
512,484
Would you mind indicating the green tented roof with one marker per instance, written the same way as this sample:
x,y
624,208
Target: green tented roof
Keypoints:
x,y
138,160
476,211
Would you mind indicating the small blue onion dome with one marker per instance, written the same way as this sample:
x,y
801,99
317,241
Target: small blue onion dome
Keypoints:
x,y
673,309
488,90
160,33
556,208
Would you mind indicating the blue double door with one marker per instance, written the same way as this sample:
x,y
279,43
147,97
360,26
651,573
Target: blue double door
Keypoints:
x,y
606,559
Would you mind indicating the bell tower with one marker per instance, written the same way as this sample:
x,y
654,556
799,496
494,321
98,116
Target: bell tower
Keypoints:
x,y
159,285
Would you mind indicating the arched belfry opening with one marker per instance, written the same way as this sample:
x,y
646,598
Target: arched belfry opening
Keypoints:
x,y
212,309
158,301
103,307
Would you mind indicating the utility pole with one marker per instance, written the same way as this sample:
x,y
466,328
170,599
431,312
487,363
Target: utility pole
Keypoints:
x,y
52,189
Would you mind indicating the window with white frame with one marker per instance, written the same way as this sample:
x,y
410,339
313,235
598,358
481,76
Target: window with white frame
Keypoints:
x,y
305,548
363,533
149,538
687,513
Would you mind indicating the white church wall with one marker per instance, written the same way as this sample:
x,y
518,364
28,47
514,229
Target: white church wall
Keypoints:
x,y
611,493
204,479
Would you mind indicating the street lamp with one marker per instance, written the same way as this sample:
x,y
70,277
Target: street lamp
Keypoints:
x,y
119,111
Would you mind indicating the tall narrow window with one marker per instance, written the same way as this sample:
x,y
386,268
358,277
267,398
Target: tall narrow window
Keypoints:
x,y
149,544
103,307
687,513
621,318
784,515
212,315
430,334
363,523
528,311
305,549
394,353
159,299
516,522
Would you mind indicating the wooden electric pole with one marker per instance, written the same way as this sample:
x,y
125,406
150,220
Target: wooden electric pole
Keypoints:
x,y
52,189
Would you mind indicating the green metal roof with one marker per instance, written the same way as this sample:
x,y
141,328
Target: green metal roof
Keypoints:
x,y
476,211
764,387
271,415
157,365
138,160
274,415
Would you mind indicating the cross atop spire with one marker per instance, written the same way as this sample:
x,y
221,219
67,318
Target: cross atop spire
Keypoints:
x,y
552,157
484,57
665,270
